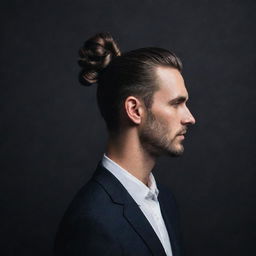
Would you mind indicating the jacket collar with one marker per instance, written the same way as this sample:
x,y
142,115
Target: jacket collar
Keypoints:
x,y
132,212
136,188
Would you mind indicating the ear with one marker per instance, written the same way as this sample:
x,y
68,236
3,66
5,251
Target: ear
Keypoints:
x,y
134,109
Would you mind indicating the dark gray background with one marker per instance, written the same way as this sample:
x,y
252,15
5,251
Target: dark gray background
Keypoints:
x,y
52,135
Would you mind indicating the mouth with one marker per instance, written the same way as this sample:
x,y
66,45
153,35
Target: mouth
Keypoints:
x,y
182,134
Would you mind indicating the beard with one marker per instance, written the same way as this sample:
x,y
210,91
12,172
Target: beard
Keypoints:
x,y
155,138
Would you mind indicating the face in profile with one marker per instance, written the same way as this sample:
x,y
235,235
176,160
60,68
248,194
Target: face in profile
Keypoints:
x,y
165,125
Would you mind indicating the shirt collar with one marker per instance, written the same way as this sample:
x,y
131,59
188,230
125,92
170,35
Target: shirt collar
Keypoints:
x,y
137,189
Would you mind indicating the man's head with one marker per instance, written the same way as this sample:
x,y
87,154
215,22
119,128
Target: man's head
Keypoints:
x,y
148,77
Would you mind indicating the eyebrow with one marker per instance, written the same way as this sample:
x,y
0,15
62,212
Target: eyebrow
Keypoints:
x,y
178,99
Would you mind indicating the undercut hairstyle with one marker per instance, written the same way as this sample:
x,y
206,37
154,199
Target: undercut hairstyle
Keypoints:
x,y
119,76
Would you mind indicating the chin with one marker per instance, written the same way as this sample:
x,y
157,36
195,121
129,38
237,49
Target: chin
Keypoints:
x,y
175,152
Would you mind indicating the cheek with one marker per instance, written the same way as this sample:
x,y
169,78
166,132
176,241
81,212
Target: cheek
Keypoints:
x,y
168,117
168,124
164,113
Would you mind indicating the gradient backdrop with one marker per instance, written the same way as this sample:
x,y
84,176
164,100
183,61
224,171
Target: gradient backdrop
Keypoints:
x,y
52,135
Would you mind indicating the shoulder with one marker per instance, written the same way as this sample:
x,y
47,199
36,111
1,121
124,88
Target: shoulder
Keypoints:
x,y
89,202
87,222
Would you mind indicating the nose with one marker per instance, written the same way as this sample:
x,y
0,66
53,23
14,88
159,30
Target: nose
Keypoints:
x,y
188,118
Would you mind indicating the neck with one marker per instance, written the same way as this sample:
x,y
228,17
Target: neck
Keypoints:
x,y
126,150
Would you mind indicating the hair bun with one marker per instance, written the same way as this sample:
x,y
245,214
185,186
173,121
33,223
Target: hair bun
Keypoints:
x,y
95,55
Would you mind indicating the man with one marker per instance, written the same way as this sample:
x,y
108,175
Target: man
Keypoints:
x,y
121,210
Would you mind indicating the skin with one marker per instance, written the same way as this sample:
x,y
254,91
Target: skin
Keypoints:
x,y
148,133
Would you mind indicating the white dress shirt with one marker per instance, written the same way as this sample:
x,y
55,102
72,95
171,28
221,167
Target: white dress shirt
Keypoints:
x,y
145,197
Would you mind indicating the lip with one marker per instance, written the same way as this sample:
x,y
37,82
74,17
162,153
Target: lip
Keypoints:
x,y
181,136
182,133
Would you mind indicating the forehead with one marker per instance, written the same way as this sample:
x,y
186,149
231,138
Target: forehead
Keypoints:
x,y
171,83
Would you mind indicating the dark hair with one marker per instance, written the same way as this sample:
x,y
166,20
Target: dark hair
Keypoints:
x,y
119,76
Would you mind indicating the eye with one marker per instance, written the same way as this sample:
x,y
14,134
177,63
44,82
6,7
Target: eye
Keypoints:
x,y
178,101
176,104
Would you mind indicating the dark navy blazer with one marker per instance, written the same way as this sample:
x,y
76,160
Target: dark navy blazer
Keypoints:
x,y
103,219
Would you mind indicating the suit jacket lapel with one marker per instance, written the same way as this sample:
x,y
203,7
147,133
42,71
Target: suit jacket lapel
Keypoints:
x,y
168,216
132,212
141,225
